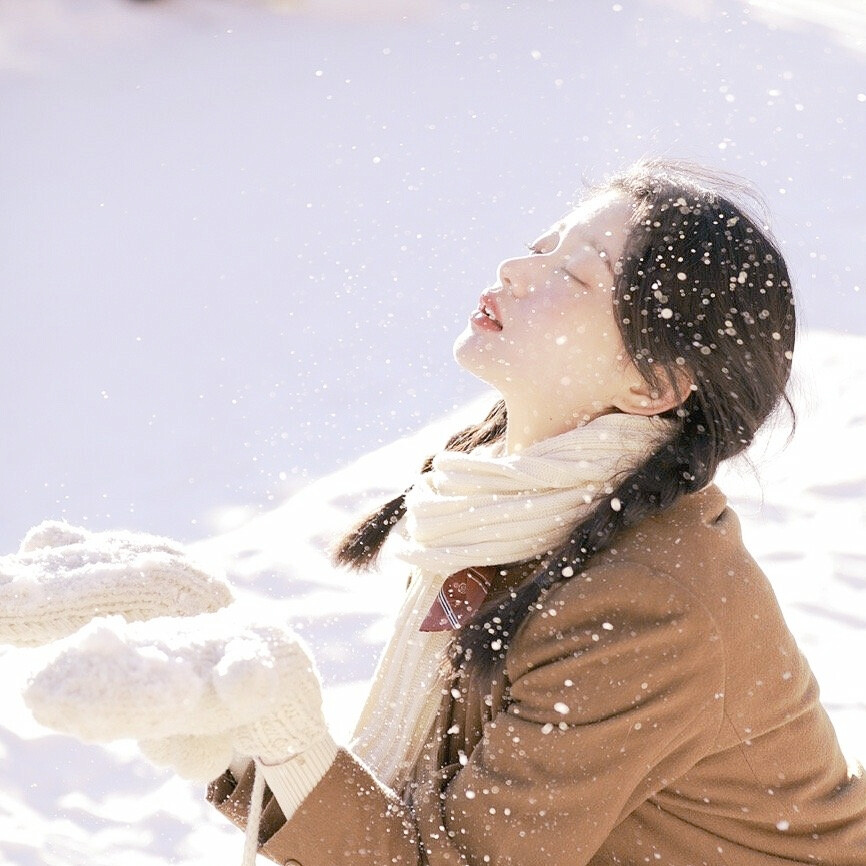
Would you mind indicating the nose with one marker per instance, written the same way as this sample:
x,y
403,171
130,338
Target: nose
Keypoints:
x,y
511,278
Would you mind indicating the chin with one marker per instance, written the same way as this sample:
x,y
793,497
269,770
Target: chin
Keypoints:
x,y
461,348
476,353
472,353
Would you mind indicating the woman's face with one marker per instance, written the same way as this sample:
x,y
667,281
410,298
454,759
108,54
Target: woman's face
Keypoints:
x,y
544,334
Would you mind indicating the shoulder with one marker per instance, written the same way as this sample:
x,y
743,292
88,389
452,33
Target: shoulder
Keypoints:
x,y
622,609
698,544
620,636
686,563
678,595
640,613
651,575
695,532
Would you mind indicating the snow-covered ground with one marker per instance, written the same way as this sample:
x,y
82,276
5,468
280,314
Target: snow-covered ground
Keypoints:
x,y
238,238
804,515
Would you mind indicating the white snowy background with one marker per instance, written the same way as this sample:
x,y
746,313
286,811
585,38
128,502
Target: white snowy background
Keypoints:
x,y
237,239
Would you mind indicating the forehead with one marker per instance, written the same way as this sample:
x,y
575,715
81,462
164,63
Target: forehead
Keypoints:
x,y
603,219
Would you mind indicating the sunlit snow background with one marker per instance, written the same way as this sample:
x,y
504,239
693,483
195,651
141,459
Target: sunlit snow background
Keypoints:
x,y
237,239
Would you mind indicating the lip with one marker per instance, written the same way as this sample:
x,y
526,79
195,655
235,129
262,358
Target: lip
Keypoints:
x,y
488,316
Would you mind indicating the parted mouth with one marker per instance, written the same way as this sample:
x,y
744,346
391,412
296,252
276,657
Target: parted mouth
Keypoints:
x,y
488,307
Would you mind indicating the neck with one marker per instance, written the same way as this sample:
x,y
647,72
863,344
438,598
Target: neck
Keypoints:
x,y
527,425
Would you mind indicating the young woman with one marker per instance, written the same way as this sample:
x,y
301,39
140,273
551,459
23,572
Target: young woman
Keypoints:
x,y
588,667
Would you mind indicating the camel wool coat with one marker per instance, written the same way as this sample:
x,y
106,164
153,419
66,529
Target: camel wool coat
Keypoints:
x,y
655,710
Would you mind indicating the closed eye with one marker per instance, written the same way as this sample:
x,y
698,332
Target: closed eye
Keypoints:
x,y
576,278
535,249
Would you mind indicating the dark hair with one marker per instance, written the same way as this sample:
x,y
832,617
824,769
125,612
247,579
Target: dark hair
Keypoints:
x,y
701,288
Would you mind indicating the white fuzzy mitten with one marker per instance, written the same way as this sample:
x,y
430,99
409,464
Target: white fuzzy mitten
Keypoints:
x,y
204,675
197,758
64,576
283,668
291,743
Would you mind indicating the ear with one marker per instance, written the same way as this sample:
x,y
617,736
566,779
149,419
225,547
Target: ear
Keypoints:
x,y
641,398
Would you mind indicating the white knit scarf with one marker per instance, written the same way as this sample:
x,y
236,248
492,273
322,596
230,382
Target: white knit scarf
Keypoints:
x,y
482,508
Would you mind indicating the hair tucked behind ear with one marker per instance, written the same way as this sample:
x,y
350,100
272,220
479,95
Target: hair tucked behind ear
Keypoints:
x,y
360,547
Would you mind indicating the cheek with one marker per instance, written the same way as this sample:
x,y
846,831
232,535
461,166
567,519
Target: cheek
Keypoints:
x,y
585,320
551,321
585,350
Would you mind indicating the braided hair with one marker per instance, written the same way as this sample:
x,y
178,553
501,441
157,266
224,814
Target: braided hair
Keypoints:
x,y
702,290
